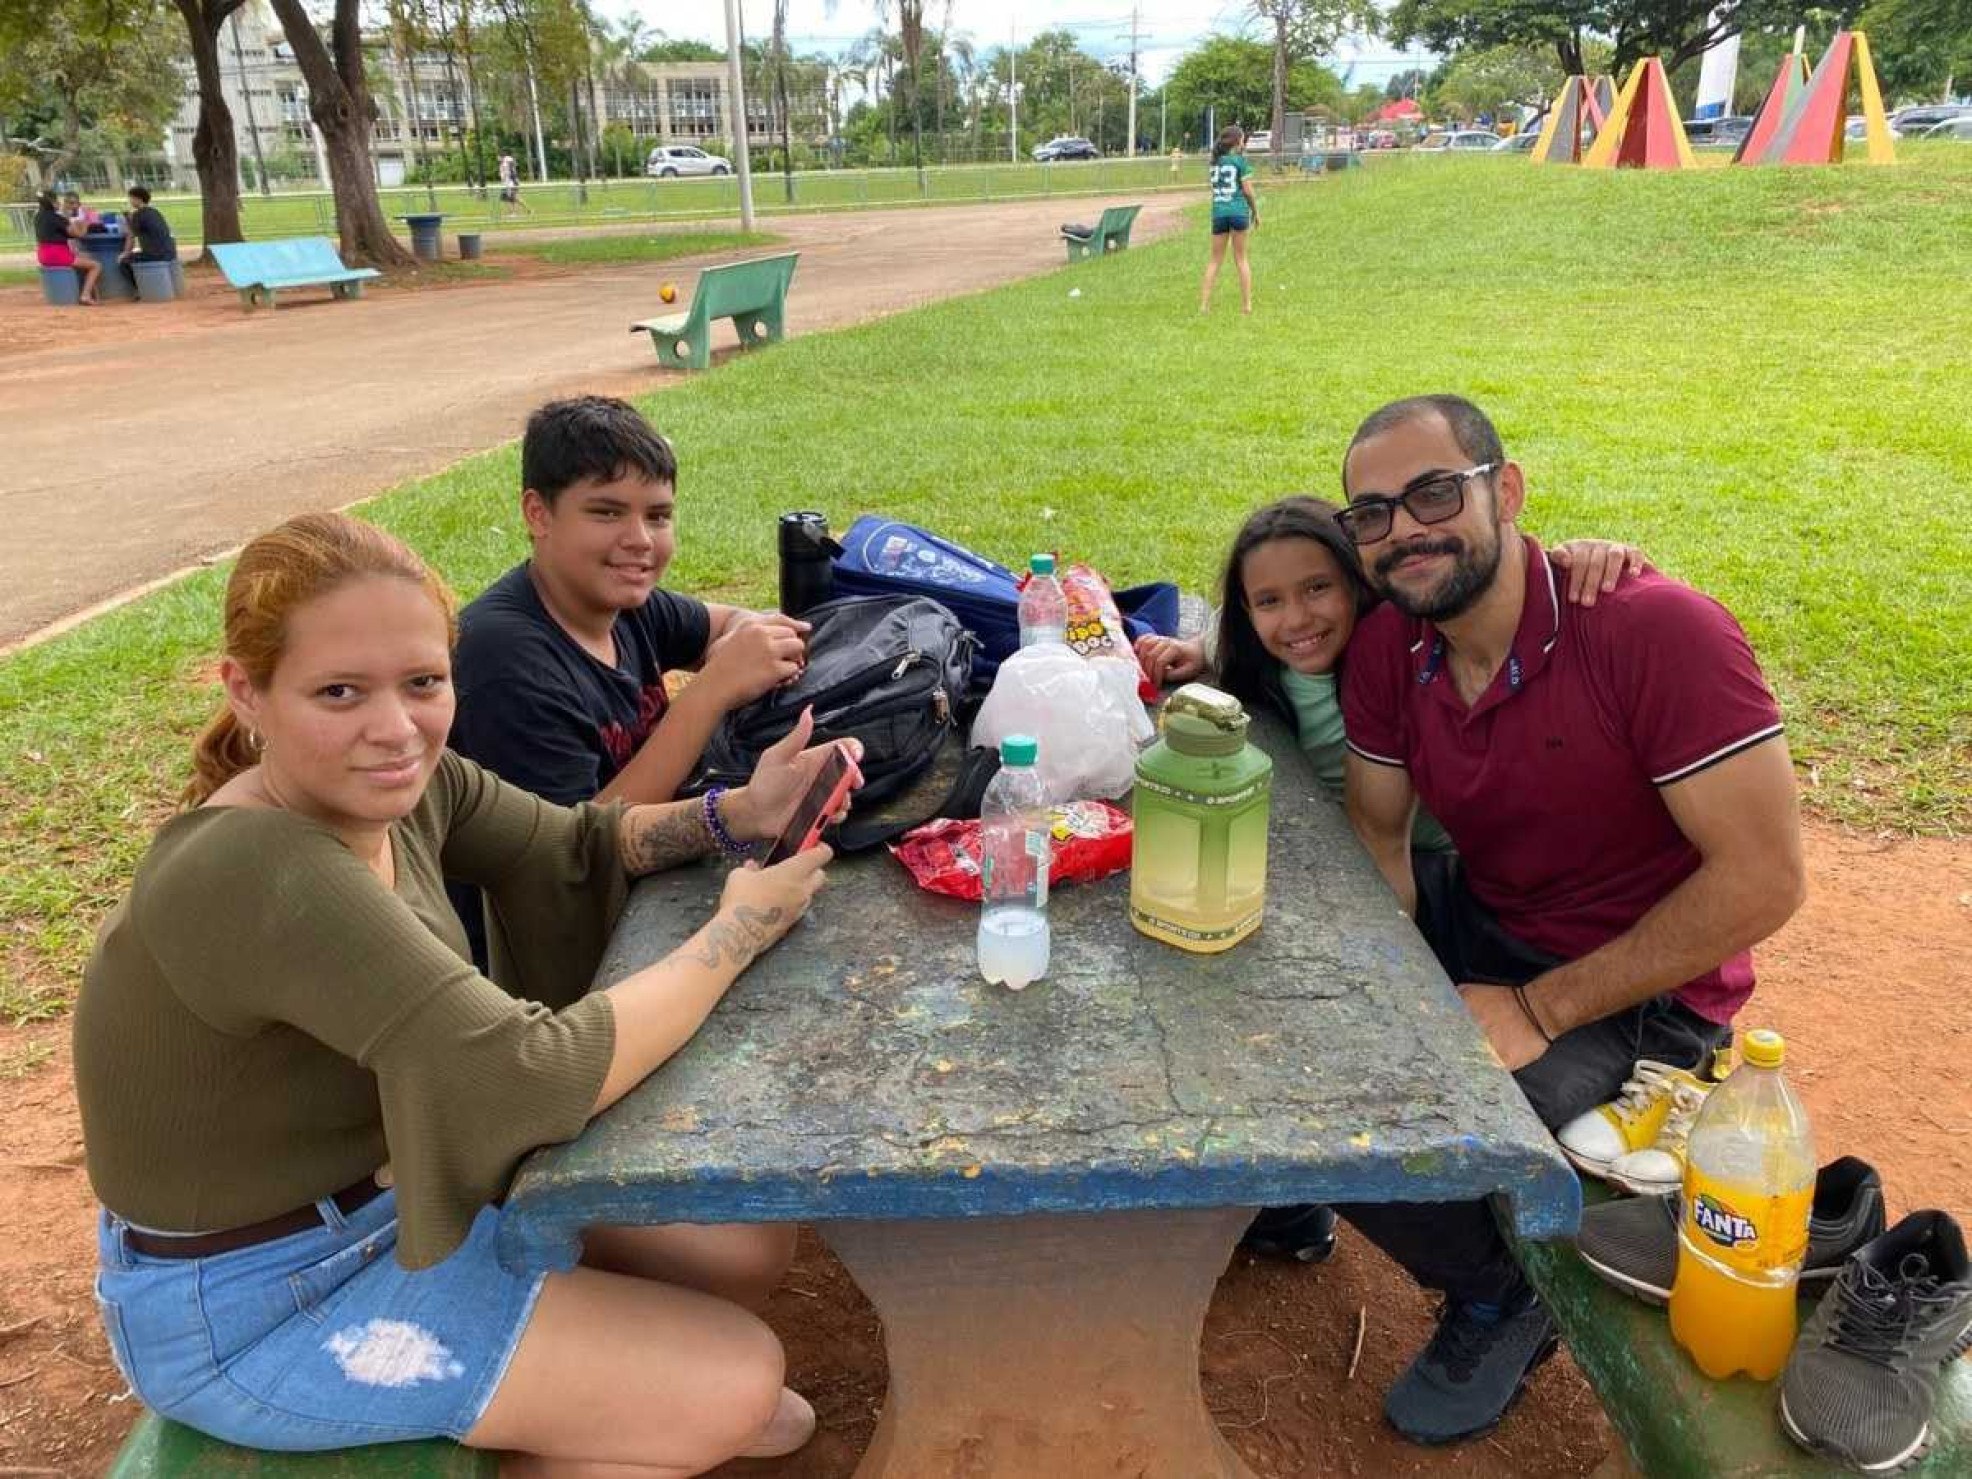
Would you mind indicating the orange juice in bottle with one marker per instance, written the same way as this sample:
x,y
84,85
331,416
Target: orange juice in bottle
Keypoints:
x,y
1749,1182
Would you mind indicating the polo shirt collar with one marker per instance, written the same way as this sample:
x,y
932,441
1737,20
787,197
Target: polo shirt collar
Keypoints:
x,y
1533,642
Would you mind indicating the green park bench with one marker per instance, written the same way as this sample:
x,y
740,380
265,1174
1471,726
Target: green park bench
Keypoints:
x,y
260,269
160,1449
752,294
1677,1423
1110,234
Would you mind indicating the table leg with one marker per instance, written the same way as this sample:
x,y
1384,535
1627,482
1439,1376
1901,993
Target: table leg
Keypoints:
x,y
1029,1347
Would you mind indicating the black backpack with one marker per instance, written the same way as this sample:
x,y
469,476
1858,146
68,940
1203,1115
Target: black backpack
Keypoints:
x,y
891,671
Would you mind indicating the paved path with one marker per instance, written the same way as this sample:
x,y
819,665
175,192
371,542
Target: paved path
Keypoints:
x,y
123,459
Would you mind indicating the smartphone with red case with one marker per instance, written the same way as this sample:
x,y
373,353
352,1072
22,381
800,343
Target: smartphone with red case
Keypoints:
x,y
825,795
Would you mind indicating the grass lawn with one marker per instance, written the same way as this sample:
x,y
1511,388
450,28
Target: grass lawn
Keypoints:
x,y
1755,374
585,250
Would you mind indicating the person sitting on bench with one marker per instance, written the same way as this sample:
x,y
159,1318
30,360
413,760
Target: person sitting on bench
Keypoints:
x,y
148,238
54,245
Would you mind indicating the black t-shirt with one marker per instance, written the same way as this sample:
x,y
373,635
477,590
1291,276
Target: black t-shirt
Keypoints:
x,y
50,226
539,711
153,235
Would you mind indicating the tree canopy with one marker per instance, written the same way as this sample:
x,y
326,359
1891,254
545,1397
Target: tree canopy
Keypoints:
x,y
1233,78
1676,30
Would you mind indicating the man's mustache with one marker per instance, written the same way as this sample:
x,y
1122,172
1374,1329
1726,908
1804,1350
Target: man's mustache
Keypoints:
x,y
1443,545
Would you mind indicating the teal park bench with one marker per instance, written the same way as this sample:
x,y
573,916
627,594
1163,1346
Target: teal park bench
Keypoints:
x,y
157,1449
1110,234
1677,1423
260,269
752,294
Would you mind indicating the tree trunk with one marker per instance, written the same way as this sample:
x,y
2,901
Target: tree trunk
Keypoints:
x,y
477,169
1278,123
1569,49
339,101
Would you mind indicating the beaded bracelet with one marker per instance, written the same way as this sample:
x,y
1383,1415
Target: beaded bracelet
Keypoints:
x,y
730,845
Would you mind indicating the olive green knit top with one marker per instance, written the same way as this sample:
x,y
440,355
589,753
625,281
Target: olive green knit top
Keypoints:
x,y
264,1022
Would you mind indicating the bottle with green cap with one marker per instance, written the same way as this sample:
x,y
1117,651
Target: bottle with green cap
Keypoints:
x,y
1015,852
1043,608
1198,863
1749,1182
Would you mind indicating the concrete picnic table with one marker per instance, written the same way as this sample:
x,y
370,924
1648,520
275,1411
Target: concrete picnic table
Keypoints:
x,y
1039,1190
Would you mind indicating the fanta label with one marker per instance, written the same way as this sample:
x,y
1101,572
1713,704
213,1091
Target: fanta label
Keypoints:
x,y
1722,1225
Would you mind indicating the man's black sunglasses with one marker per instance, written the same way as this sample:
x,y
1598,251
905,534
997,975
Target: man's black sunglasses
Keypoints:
x,y
1430,500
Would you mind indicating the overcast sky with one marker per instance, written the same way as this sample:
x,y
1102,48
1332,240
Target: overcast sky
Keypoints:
x,y
1167,29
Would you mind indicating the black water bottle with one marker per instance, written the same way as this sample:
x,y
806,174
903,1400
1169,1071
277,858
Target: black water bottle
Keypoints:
x,y
807,574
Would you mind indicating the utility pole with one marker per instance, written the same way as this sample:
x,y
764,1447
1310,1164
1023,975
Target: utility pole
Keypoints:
x,y
246,92
1163,112
1131,148
736,96
1013,94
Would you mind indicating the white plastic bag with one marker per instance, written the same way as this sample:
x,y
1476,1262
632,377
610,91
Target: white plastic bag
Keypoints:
x,y
1084,712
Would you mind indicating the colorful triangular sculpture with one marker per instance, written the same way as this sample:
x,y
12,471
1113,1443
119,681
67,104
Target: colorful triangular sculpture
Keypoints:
x,y
1580,110
1788,84
1643,131
1812,129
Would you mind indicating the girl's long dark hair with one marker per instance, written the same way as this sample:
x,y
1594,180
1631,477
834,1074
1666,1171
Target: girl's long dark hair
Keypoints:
x,y
1230,138
1247,670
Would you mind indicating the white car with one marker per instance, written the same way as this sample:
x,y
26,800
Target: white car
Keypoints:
x,y
1950,128
669,161
1462,140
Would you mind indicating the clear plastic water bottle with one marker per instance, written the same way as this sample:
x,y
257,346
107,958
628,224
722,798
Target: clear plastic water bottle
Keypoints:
x,y
1014,854
1043,608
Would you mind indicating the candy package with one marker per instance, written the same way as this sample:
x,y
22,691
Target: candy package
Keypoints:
x,y
1091,840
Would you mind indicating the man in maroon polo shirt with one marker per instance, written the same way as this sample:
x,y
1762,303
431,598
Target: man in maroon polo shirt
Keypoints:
x,y
1619,790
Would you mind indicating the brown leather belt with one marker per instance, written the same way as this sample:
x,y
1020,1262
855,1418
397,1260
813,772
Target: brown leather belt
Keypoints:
x,y
205,1245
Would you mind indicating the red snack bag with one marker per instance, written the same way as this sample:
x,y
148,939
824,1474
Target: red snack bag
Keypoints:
x,y
1091,840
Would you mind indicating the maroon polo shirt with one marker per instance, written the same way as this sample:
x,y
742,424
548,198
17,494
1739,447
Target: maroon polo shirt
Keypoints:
x,y
1550,783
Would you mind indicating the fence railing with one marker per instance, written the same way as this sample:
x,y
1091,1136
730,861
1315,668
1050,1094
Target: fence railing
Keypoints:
x,y
562,202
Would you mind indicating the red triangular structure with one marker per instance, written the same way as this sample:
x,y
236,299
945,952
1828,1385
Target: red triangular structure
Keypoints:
x,y
1812,129
1787,85
1643,131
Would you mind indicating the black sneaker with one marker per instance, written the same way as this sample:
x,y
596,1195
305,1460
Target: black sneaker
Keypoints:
x,y
1478,1361
1633,1243
1305,1234
1863,1378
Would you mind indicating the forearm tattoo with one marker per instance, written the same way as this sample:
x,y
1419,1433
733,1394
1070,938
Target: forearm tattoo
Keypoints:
x,y
738,939
663,836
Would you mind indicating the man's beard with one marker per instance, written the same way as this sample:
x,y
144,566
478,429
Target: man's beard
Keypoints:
x,y
1470,578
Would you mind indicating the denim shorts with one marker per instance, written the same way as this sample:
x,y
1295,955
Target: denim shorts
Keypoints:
x,y
318,1339
1228,225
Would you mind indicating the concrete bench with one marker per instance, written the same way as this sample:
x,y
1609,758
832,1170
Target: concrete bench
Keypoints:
x,y
160,1449
260,269
1110,234
752,294
1676,1422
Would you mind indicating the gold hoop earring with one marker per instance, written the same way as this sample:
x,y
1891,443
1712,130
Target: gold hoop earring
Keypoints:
x,y
254,739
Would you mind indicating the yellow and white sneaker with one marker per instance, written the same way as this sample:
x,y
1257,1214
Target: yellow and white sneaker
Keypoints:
x,y
1658,1169
1631,1121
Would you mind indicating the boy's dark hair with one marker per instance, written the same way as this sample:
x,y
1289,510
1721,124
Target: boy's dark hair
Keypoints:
x,y
591,436
1471,429
139,193
1230,138
1247,670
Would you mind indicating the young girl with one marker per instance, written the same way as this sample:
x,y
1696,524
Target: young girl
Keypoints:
x,y
1234,213
302,1106
1292,593
54,245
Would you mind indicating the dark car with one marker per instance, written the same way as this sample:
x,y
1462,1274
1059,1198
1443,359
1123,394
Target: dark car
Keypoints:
x,y
1717,133
1065,148
1916,120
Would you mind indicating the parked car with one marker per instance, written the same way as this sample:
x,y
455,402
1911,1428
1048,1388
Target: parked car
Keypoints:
x,y
1520,143
1950,128
1725,132
1857,129
1381,138
1916,119
1065,148
668,161
1459,141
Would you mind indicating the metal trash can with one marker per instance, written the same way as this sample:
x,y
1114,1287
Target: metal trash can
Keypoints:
x,y
424,236
60,287
469,246
156,282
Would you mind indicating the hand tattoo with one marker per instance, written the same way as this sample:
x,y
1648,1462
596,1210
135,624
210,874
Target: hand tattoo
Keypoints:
x,y
663,836
740,938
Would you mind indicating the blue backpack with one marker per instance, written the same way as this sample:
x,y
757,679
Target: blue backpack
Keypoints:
x,y
883,557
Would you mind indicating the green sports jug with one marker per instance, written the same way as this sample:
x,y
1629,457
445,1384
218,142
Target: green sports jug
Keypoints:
x,y
1198,862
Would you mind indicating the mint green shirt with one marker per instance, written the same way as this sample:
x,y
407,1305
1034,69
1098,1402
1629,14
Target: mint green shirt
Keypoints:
x,y
1318,721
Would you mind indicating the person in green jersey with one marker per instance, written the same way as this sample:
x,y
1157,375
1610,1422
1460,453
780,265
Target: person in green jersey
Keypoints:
x,y
1234,213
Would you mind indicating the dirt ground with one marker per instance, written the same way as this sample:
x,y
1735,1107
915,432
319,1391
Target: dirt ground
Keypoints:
x,y
152,436
1868,982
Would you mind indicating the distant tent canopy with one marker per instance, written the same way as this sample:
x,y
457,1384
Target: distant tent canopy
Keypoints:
x,y
1398,111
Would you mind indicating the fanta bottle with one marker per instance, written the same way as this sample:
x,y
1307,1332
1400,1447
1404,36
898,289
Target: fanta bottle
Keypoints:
x,y
1749,1180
